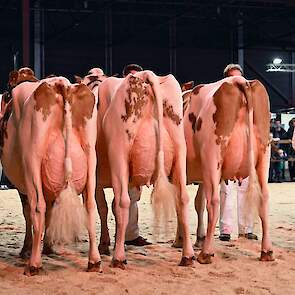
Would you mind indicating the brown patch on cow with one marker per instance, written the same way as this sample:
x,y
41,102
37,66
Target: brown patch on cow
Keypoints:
x,y
222,142
129,110
199,124
44,96
22,75
136,100
188,95
218,140
192,118
186,100
261,111
3,125
82,103
169,112
197,89
129,134
228,101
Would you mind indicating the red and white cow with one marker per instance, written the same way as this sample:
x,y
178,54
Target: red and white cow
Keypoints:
x,y
27,76
137,146
227,135
48,153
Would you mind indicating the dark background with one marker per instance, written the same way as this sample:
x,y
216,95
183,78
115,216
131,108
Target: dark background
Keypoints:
x,y
194,40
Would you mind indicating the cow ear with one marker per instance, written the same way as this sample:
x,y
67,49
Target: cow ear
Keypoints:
x,y
13,77
187,86
78,79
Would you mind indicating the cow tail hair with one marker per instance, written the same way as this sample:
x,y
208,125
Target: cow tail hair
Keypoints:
x,y
68,215
164,194
253,193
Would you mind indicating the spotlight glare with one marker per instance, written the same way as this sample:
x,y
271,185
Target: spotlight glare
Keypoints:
x,y
277,61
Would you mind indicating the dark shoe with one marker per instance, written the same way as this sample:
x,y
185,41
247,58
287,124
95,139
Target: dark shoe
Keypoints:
x,y
139,241
249,236
224,237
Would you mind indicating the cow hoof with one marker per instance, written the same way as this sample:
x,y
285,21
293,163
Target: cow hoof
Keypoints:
x,y
33,271
199,242
119,263
205,258
187,261
25,253
267,256
94,267
104,249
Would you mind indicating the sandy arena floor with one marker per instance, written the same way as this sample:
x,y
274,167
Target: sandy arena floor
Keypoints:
x,y
153,269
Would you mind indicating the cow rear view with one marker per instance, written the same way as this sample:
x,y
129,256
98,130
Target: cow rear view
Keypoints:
x,y
145,140
227,133
54,138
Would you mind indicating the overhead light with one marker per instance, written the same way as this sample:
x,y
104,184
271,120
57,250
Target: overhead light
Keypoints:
x,y
277,61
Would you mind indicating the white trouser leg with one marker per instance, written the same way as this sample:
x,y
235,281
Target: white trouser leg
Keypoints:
x,y
245,222
226,208
132,230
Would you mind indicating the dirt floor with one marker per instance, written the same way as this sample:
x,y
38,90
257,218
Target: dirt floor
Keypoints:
x,y
153,269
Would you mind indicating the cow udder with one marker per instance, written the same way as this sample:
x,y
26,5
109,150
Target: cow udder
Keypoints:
x,y
143,155
52,169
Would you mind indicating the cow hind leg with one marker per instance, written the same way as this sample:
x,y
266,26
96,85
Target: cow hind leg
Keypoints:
x,y
178,242
27,246
182,210
200,207
94,260
102,208
266,245
37,213
187,250
211,192
121,209
47,245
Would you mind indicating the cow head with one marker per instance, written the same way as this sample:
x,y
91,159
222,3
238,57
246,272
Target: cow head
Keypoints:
x,y
21,75
94,78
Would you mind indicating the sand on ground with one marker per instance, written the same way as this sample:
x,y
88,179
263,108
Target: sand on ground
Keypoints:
x,y
153,269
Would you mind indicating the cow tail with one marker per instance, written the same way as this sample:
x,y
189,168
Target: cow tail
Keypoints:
x,y
164,194
253,193
68,215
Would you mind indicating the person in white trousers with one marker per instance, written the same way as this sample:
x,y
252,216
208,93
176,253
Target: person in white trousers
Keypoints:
x,y
245,224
